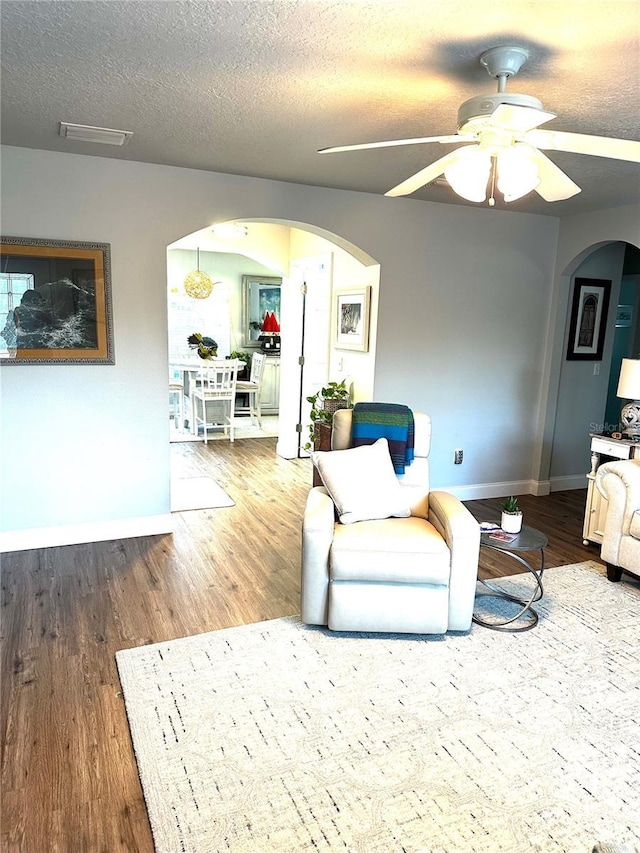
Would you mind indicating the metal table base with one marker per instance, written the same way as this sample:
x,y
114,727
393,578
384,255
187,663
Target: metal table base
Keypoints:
x,y
529,539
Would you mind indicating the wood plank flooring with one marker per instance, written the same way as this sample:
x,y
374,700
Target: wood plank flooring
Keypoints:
x,y
69,778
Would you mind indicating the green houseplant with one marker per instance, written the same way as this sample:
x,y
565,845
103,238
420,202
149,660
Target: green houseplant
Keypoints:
x,y
244,357
326,401
511,521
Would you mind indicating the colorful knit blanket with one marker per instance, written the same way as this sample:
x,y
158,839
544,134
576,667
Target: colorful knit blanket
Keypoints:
x,y
392,421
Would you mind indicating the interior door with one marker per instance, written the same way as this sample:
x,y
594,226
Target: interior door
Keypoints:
x,y
316,338
306,311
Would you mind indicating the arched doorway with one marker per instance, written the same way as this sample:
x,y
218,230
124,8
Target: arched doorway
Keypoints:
x,y
584,396
295,252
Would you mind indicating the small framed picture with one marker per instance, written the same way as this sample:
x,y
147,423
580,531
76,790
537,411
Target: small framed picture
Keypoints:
x,y
352,318
588,319
624,316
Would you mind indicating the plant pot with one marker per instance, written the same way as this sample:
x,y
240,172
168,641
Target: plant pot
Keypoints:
x,y
511,522
332,406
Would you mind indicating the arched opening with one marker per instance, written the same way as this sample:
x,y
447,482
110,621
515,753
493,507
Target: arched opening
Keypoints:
x,y
302,256
584,399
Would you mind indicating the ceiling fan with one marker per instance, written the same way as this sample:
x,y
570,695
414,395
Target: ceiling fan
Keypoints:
x,y
502,144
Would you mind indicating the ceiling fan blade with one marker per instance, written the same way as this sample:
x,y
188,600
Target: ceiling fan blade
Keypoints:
x,y
519,119
390,143
582,143
554,184
424,176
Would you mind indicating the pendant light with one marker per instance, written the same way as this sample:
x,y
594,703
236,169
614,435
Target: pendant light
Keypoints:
x,y
197,284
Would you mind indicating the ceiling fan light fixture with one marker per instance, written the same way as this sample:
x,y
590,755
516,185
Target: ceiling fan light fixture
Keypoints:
x,y
230,230
517,173
507,150
469,174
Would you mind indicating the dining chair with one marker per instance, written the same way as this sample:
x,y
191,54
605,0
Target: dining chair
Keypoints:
x,y
215,394
253,387
176,395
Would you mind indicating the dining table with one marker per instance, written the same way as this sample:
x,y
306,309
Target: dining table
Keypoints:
x,y
188,369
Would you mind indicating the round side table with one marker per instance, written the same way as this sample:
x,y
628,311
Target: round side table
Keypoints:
x,y
529,539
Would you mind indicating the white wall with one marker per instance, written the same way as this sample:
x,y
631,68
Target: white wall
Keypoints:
x,y
461,335
462,325
357,367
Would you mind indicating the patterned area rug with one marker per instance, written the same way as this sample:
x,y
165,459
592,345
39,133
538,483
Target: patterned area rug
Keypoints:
x,y
279,738
197,493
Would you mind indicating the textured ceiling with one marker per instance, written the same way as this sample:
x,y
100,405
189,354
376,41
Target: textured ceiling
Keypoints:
x,y
255,87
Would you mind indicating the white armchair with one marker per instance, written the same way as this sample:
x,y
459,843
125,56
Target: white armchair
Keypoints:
x,y
413,574
619,483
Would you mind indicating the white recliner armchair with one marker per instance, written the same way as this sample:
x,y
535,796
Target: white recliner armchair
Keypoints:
x,y
619,483
411,574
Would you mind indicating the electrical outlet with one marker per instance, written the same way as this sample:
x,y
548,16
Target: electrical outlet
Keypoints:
x,y
457,456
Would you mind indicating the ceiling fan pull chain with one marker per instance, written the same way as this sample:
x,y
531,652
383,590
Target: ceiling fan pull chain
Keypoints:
x,y
492,200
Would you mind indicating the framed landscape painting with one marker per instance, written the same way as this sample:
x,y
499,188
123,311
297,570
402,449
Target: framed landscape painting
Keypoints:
x,y
352,318
55,302
588,319
260,294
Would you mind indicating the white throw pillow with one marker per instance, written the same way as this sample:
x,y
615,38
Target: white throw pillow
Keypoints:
x,y
362,482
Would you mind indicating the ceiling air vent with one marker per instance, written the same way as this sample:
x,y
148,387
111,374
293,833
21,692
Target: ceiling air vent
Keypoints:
x,y
87,133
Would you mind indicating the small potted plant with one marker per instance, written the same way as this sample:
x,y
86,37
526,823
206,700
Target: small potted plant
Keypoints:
x,y
511,521
324,403
245,358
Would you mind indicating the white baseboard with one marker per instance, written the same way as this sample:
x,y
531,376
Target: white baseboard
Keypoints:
x,y
517,487
76,534
539,488
566,484
488,490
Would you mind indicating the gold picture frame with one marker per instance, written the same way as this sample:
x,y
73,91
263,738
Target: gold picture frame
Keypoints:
x,y
55,302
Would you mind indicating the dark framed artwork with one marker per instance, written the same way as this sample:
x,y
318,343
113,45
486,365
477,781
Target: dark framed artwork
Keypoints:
x,y
55,302
588,323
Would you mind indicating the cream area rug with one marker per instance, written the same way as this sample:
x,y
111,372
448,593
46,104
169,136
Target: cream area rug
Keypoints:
x,y
197,493
281,738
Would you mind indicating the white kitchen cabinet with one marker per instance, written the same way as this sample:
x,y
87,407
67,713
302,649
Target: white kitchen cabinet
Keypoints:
x,y
271,386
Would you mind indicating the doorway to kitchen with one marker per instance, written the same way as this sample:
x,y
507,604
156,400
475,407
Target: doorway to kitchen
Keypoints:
x,y
291,253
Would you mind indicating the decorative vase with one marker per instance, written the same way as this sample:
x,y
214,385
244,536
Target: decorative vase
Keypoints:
x,y
511,522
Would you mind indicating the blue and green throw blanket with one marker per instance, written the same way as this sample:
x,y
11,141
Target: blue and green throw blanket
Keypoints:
x,y
392,421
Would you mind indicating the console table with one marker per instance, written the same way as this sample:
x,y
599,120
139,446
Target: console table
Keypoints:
x,y
596,509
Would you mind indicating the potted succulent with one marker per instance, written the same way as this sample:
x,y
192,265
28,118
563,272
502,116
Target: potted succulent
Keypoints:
x,y
511,521
326,401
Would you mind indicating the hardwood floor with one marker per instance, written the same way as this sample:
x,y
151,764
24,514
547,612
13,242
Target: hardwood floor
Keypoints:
x,y
560,516
69,777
